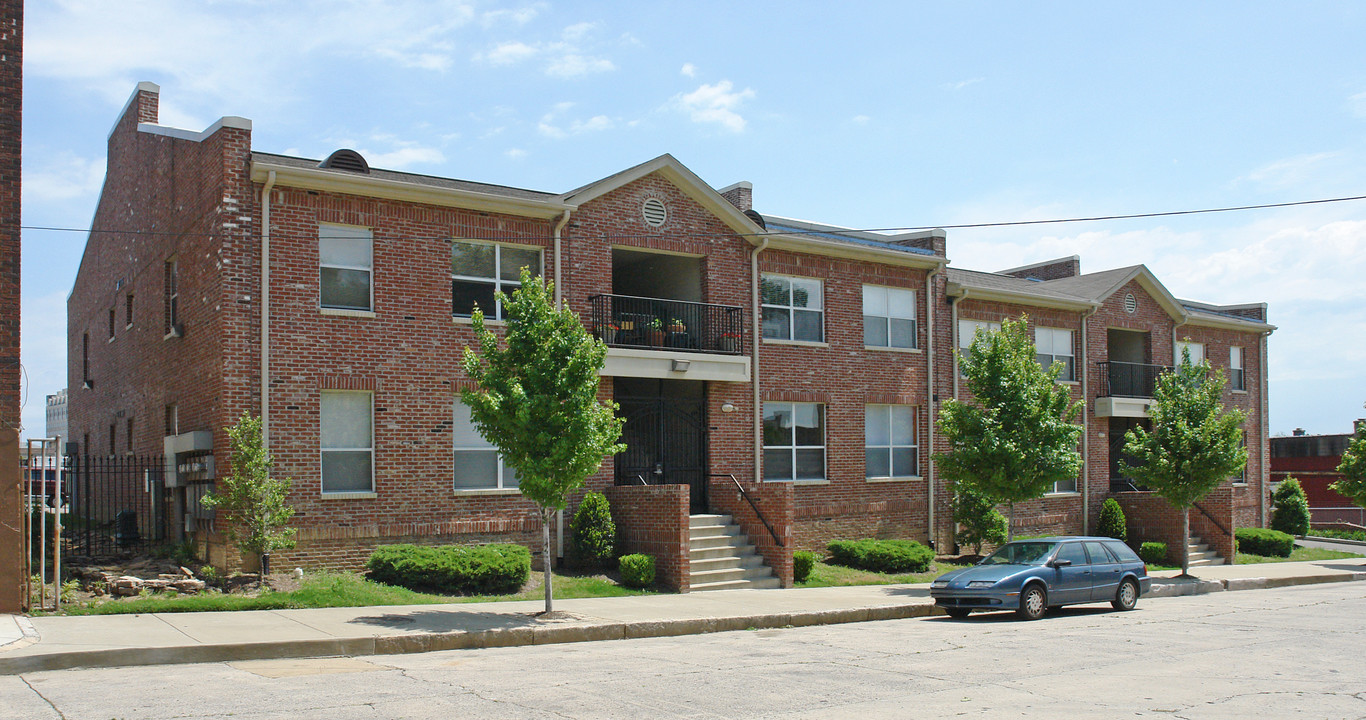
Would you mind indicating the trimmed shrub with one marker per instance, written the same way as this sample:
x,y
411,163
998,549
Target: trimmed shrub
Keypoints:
x,y
1153,553
882,556
980,520
1290,508
1112,522
1264,542
802,562
594,533
497,569
637,571
1357,535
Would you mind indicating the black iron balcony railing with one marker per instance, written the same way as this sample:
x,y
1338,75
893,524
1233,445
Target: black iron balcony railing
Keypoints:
x,y
678,325
1135,380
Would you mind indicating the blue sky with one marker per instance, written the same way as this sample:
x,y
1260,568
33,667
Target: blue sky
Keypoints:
x,y
878,114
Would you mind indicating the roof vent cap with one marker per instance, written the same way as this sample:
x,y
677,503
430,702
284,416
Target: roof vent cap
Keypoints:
x,y
757,218
654,211
348,160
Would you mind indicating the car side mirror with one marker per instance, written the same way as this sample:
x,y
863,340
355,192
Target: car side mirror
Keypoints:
x,y
1060,563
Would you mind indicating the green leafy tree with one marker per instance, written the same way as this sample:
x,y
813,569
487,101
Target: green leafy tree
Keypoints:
x,y
1193,446
1290,508
536,400
253,502
1112,522
1353,469
1017,438
978,519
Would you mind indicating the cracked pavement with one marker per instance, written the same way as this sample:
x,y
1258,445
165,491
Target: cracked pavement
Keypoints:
x,y
1284,653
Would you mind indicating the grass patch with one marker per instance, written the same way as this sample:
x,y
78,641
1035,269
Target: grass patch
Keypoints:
x,y
1299,554
322,590
826,575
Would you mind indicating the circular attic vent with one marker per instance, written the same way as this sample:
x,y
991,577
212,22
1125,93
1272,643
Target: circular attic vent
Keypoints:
x,y
1130,303
348,160
654,211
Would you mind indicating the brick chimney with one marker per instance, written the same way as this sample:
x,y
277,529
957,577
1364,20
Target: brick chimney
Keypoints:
x,y
1047,270
741,195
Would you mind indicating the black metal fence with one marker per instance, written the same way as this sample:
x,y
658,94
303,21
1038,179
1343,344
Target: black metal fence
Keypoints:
x,y
653,323
1121,379
113,504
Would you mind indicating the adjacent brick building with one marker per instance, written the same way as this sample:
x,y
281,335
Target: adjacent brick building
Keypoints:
x,y
1314,461
332,299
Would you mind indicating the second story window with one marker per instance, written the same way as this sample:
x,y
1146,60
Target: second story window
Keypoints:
x,y
478,270
1236,378
172,300
85,365
111,323
345,265
128,311
888,317
793,308
1196,350
1054,346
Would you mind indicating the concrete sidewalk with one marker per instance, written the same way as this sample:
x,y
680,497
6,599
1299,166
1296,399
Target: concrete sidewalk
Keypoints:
x,y
58,642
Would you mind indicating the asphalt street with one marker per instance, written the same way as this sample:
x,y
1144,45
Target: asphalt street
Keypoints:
x,y
1283,653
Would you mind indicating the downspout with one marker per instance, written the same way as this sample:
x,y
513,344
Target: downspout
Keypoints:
x,y
757,334
559,304
1176,360
954,334
559,291
1262,475
1086,427
929,401
265,309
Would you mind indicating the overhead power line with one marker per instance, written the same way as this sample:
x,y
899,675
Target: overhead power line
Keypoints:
x,y
912,228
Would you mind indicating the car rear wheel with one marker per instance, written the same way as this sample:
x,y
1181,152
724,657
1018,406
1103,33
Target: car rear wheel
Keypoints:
x,y
959,613
1126,597
1033,602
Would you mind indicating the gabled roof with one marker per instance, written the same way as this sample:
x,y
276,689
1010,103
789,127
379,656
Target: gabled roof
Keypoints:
x,y
1098,287
1006,288
684,179
833,240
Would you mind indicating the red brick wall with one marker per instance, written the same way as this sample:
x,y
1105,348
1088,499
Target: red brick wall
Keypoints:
x,y
11,124
774,500
845,377
653,519
1150,518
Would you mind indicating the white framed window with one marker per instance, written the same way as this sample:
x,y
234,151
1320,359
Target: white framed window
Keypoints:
x,y
891,438
347,439
794,441
1064,486
793,308
478,466
1053,345
888,317
967,331
479,270
345,266
1236,379
1197,352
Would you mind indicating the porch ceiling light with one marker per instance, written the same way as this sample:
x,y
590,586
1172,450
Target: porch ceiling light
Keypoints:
x,y
728,407
681,365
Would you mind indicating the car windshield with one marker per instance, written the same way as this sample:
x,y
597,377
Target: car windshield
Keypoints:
x,y
1020,553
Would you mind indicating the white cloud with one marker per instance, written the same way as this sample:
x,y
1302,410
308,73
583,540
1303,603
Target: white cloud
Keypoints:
x,y
404,157
509,53
578,31
573,65
43,341
956,86
716,104
567,57
515,153
61,177
1290,171
688,70
1357,103
519,16
549,127
860,119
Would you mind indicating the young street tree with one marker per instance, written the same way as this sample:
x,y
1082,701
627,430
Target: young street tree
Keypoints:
x,y
537,400
1017,438
1353,470
253,502
1193,445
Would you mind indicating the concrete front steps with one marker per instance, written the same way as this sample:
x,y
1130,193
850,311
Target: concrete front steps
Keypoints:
x,y
722,558
1200,553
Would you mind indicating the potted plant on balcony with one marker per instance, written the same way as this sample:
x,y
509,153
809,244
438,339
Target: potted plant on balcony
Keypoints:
x,y
655,329
677,326
730,342
608,333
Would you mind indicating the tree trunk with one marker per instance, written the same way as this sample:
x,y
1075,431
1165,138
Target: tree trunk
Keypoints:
x,y
545,557
265,566
1010,524
1185,541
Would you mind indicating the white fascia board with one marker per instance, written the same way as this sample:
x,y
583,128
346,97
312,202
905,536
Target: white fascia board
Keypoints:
x,y
1020,298
682,178
1228,323
833,248
229,121
367,186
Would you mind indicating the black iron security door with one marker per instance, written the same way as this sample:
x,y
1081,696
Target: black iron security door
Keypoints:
x,y
665,435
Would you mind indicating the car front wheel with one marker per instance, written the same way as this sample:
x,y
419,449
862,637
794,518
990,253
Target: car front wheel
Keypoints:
x,y
1126,597
1033,602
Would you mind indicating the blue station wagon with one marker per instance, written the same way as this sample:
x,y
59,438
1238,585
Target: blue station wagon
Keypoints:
x,y
1030,576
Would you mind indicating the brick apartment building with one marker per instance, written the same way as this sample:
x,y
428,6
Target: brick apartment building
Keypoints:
x,y
12,576
1314,461
333,299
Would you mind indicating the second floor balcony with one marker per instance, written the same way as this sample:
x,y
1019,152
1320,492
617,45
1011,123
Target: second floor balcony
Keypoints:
x,y
645,323
1126,389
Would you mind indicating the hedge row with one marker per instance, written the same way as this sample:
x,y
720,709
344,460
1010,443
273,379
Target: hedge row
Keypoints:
x,y
884,556
498,569
1261,541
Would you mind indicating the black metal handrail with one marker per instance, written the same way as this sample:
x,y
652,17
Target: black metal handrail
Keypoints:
x,y
750,500
1123,379
658,323
1209,517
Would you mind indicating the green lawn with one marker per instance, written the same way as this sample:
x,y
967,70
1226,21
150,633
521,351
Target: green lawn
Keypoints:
x,y
1298,554
825,575
341,590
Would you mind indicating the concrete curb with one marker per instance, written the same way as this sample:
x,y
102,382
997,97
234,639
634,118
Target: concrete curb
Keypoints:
x,y
1344,541
1175,587
460,640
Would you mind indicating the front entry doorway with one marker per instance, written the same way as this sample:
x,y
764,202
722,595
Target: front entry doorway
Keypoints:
x,y
665,435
